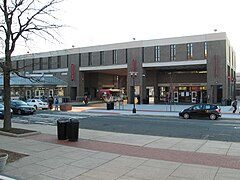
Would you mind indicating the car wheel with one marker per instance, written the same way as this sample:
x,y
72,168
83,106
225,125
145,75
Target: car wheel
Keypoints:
x,y
35,107
19,112
186,116
212,116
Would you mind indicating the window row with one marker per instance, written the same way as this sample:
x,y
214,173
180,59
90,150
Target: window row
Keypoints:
x,y
103,56
172,50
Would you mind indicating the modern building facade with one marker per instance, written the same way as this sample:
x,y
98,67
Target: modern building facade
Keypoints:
x,y
191,69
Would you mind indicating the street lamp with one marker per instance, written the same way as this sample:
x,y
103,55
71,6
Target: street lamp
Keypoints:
x,y
133,76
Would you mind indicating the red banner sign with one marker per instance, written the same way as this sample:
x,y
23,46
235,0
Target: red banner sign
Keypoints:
x,y
72,72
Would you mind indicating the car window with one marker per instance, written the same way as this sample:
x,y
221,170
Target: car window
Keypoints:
x,y
197,107
207,107
20,103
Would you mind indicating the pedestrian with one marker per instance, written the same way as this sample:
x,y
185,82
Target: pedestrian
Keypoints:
x,y
56,103
50,102
85,99
234,105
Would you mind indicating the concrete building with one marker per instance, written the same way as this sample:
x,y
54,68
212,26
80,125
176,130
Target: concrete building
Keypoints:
x,y
191,69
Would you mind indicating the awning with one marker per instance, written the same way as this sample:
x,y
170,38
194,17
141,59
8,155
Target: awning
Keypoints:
x,y
46,80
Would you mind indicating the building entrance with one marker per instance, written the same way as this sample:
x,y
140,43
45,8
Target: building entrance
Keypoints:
x,y
183,94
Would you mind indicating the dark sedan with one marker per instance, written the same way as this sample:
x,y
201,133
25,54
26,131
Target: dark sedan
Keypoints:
x,y
21,107
201,110
2,111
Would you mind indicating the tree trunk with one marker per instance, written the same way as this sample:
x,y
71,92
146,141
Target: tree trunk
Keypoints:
x,y
7,95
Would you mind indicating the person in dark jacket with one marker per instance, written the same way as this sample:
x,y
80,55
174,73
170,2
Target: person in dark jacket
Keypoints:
x,y
50,102
234,105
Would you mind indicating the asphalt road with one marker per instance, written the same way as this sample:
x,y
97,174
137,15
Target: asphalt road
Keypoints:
x,y
222,130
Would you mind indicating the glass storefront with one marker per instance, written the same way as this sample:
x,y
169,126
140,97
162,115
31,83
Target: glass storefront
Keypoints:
x,y
182,94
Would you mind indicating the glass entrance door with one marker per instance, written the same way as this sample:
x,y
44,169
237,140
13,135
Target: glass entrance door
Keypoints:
x,y
175,96
194,96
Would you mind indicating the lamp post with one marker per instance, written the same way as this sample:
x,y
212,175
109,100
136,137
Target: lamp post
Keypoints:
x,y
133,75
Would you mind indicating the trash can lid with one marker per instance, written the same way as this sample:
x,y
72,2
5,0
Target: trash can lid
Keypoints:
x,y
73,120
62,120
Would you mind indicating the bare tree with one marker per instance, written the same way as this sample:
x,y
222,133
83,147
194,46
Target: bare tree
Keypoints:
x,y
21,19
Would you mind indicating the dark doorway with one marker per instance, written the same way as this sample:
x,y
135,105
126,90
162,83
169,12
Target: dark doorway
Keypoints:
x,y
73,93
219,93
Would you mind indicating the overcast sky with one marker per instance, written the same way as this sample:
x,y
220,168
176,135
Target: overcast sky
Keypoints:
x,y
95,22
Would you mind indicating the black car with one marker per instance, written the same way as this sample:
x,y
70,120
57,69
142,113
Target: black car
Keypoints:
x,y
2,111
21,107
201,110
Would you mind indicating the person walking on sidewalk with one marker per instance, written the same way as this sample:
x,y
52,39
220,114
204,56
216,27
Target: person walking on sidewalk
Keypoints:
x,y
56,103
50,102
234,105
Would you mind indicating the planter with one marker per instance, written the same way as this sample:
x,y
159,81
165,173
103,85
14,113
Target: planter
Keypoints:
x,y
65,107
110,105
3,160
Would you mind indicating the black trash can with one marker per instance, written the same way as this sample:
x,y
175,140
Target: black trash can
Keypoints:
x,y
110,105
229,102
73,129
62,129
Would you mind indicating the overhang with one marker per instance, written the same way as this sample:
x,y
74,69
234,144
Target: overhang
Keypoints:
x,y
35,81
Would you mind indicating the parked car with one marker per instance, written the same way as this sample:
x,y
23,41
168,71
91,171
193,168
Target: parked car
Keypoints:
x,y
2,111
38,103
201,110
21,107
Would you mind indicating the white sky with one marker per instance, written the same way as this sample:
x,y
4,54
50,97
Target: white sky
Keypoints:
x,y
95,22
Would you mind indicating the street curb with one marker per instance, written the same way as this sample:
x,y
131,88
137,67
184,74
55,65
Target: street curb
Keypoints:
x,y
20,135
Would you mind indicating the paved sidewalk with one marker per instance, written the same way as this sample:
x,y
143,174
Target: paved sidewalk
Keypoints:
x,y
154,110
99,155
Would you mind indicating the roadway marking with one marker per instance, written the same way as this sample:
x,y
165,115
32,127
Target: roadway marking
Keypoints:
x,y
235,125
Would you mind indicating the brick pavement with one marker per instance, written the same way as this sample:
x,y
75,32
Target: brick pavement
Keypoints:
x,y
207,159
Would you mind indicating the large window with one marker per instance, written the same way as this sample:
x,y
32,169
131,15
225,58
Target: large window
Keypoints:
x,y
173,52
101,57
59,59
114,56
89,59
67,60
17,65
40,63
126,55
32,64
80,59
49,62
205,50
143,54
157,53
189,51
